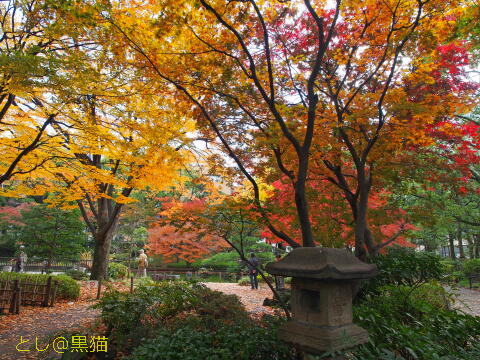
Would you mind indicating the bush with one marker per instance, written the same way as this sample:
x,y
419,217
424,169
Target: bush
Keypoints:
x,y
77,274
129,317
117,271
68,289
230,260
244,281
179,265
403,323
404,266
471,267
173,311
238,341
226,261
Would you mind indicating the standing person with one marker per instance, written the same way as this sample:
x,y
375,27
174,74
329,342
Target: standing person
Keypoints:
x,y
21,261
253,263
142,263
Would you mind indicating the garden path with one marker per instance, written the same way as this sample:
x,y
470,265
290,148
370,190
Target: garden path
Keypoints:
x,y
41,323
467,300
252,299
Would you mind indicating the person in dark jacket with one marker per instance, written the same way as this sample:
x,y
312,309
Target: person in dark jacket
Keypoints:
x,y
253,263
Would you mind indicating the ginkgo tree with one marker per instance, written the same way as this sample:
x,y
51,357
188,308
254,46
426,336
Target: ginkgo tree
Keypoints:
x,y
278,85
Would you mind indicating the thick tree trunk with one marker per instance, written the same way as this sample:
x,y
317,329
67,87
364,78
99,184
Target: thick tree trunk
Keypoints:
x,y
100,255
103,241
452,246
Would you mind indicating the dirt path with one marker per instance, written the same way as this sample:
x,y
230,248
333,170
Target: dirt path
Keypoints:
x,y
467,300
40,323
252,299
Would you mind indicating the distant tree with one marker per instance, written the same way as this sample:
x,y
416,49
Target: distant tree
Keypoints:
x,y
10,222
50,232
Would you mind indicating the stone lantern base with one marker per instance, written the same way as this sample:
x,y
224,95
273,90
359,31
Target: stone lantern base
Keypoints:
x,y
319,339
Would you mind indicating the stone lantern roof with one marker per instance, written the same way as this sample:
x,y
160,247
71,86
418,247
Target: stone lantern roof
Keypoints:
x,y
322,263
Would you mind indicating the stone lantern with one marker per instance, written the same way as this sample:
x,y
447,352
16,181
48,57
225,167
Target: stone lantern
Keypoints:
x,y
324,282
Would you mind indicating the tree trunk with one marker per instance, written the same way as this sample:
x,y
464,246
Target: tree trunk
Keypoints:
x,y
361,220
100,255
470,246
103,241
477,246
460,243
452,246
302,204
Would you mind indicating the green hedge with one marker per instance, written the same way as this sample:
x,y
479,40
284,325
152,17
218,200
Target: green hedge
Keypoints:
x,y
68,288
117,271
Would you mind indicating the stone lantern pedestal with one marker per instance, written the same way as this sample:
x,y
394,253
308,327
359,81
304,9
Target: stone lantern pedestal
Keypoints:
x,y
324,282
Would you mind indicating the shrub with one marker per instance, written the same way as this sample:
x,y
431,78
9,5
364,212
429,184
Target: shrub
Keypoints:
x,y
180,264
150,307
117,271
404,266
227,261
471,267
237,341
230,260
68,289
166,308
403,323
77,274
244,281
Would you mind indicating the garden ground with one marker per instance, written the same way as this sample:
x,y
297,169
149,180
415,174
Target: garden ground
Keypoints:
x,y
42,323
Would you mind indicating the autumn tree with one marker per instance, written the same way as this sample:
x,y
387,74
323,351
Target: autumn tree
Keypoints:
x,y
175,237
331,219
278,85
34,49
113,132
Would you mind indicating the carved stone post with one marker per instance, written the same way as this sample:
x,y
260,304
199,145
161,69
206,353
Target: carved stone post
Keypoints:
x,y
324,282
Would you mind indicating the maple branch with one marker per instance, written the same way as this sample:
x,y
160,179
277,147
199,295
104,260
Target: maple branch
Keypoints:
x,y
215,49
6,106
267,50
391,238
275,149
271,104
90,225
262,274
35,167
311,96
398,50
468,119
91,204
33,145
215,128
